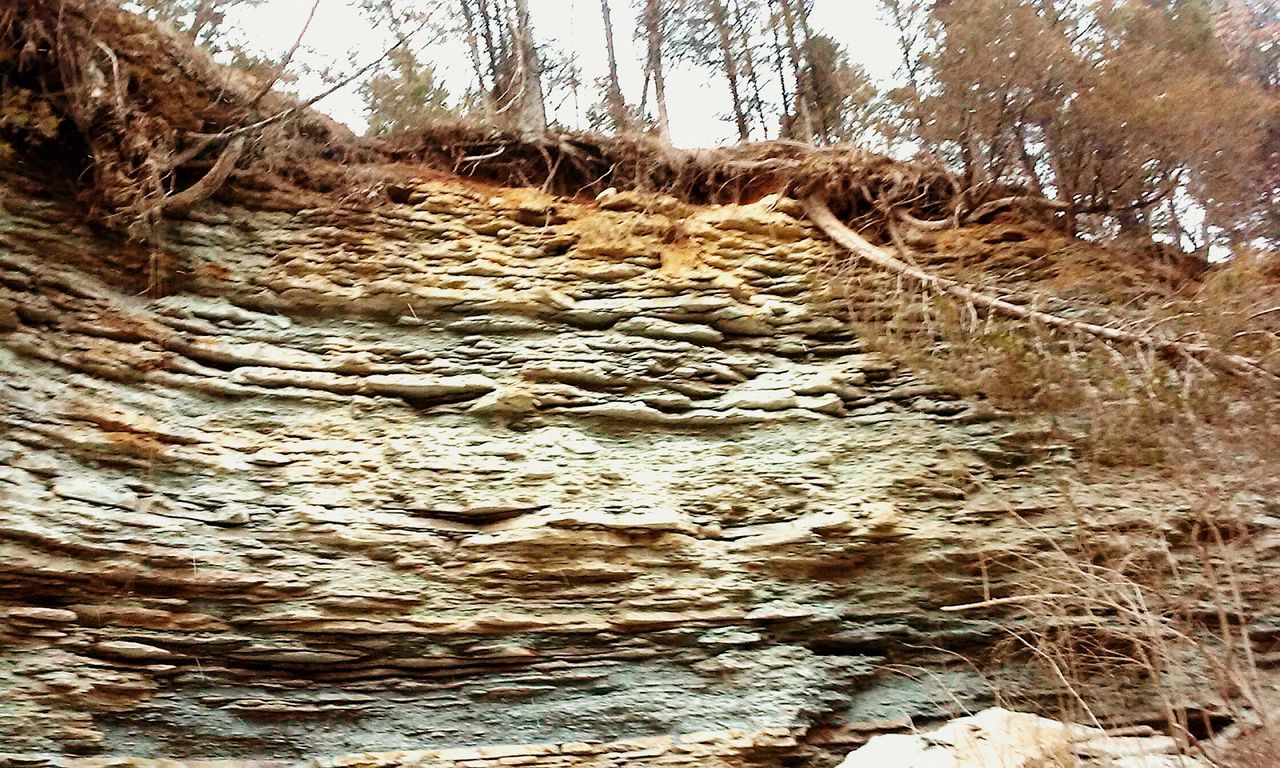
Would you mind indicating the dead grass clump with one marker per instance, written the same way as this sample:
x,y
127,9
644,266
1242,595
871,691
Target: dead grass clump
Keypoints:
x,y
1125,614
1154,620
1255,748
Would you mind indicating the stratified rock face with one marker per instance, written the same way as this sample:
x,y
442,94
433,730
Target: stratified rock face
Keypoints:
x,y
485,467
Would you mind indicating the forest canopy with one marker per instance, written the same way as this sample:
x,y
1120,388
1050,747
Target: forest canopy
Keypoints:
x,y
1144,118
1147,119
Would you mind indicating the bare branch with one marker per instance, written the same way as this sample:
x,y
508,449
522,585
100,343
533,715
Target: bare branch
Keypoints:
x,y
288,57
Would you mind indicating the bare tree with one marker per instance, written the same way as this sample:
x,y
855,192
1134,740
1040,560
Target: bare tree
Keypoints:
x,y
525,87
798,124
744,19
501,44
718,15
613,91
653,19
483,75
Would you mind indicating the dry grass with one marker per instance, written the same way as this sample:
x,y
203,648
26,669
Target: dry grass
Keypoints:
x,y
1124,614
1257,748
1117,405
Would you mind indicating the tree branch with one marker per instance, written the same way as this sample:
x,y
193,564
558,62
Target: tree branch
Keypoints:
x,y
245,130
288,57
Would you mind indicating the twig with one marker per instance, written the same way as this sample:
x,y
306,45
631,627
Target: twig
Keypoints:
x,y
245,130
288,57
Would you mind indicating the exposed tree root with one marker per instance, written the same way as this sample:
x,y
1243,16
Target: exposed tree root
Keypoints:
x,y
820,213
994,206
208,184
860,183
137,103
144,112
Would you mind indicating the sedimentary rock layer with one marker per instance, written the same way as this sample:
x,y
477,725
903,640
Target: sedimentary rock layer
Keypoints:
x,y
482,467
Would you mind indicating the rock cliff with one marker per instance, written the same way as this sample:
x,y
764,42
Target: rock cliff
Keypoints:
x,y
489,467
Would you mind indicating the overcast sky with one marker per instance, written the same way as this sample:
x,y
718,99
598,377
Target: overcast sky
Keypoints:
x,y
340,37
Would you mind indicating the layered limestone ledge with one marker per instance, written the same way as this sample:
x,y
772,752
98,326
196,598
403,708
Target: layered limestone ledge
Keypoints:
x,y
710,749
486,467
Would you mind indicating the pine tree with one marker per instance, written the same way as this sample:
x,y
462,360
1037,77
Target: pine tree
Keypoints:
x,y
403,95
406,98
842,100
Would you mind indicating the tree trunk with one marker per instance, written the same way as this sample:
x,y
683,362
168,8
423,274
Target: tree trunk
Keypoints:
x,y
817,114
491,48
804,89
613,92
653,35
473,49
204,16
786,127
742,26
1061,179
720,18
1028,161
529,107
515,92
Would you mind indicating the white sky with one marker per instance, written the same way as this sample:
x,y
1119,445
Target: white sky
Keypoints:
x,y
341,38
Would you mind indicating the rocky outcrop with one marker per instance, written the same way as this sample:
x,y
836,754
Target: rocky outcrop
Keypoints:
x,y
486,467
998,738
713,749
